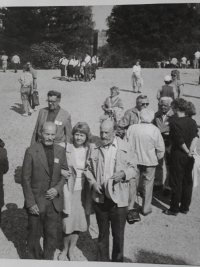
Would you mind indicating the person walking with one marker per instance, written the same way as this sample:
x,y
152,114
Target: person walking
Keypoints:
x,y
42,185
56,114
176,82
4,59
183,62
136,78
16,61
34,75
87,61
26,90
196,59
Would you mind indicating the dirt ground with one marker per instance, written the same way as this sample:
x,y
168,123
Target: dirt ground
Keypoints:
x,y
157,238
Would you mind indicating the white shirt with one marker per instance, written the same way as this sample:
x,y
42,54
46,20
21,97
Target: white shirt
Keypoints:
x,y
63,61
87,59
110,158
137,70
94,60
197,54
26,79
4,58
76,63
183,60
80,154
16,59
71,62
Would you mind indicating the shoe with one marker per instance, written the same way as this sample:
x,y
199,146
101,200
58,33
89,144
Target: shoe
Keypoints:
x,y
140,193
139,92
31,111
25,114
169,212
167,192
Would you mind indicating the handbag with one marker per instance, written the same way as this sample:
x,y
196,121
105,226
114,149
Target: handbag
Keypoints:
x,y
35,98
133,216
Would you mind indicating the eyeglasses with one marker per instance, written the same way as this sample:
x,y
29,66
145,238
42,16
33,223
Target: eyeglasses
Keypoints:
x,y
143,104
51,102
173,75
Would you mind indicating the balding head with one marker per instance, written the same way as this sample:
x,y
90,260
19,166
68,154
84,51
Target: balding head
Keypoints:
x,y
107,131
48,133
165,104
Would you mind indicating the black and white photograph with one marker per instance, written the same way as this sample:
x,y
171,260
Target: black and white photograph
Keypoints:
x,y
99,136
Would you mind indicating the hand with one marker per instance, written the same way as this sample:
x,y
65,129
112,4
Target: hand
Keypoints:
x,y
51,193
118,176
97,188
66,173
34,210
190,154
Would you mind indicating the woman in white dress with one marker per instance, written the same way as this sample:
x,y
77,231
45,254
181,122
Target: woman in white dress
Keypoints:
x,y
77,194
4,59
137,81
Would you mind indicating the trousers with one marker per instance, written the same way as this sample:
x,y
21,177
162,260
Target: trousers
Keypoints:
x,y
180,181
48,219
147,176
107,214
162,172
87,73
26,98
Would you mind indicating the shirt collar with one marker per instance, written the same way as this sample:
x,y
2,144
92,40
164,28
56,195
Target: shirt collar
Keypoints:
x,y
114,143
54,110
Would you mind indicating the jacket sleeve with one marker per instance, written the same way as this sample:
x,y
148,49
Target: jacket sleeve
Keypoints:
x,y
4,164
26,179
125,120
62,180
90,177
159,144
35,136
68,129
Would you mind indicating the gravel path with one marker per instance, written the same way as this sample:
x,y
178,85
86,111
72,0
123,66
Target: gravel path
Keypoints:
x,y
157,238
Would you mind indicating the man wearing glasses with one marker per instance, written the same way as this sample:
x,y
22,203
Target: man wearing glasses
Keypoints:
x,y
132,116
56,114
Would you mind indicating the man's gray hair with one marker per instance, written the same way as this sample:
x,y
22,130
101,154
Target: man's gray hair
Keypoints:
x,y
146,115
166,98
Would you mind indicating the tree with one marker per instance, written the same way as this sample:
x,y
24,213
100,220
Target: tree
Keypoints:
x,y
152,32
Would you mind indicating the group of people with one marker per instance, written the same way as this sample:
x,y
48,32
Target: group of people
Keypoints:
x,y
78,69
15,60
71,172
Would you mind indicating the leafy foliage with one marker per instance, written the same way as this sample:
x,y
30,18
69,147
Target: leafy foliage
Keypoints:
x,y
154,32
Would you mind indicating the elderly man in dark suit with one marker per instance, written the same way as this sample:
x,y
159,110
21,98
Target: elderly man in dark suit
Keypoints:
x,y
42,184
4,166
111,168
56,114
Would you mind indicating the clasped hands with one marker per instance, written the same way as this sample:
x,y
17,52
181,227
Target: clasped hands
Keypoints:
x,y
117,177
50,195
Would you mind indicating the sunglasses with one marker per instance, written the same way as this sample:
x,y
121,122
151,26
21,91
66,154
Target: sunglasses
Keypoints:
x,y
51,102
143,104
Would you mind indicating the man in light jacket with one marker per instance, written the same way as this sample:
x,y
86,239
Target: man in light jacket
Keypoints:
x,y
111,168
148,148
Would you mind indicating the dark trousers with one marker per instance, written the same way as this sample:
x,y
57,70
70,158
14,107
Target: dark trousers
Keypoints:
x,y
48,219
87,73
62,68
108,213
15,66
180,181
70,71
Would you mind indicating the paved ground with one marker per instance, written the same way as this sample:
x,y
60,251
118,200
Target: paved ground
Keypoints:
x,y
157,238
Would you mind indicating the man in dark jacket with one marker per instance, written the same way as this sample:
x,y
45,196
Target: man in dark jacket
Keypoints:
x,y
4,166
43,191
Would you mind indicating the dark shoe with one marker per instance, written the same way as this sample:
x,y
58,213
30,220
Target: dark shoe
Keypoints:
x,y
167,192
184,211
169,212
139,92
133,216
157,188
140,193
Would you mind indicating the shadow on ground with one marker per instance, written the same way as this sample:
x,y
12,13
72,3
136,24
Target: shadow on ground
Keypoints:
x,y
124,90
14,226
144,256
18,109
89,250
192,96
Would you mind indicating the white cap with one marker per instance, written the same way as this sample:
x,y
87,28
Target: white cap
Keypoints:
x,y
168,78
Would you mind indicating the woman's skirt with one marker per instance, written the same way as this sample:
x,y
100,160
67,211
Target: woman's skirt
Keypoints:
x,y
4,64
62,67
76,221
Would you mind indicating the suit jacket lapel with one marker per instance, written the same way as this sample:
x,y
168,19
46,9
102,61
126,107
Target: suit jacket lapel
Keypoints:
x,y
71,156
42,157
57,157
